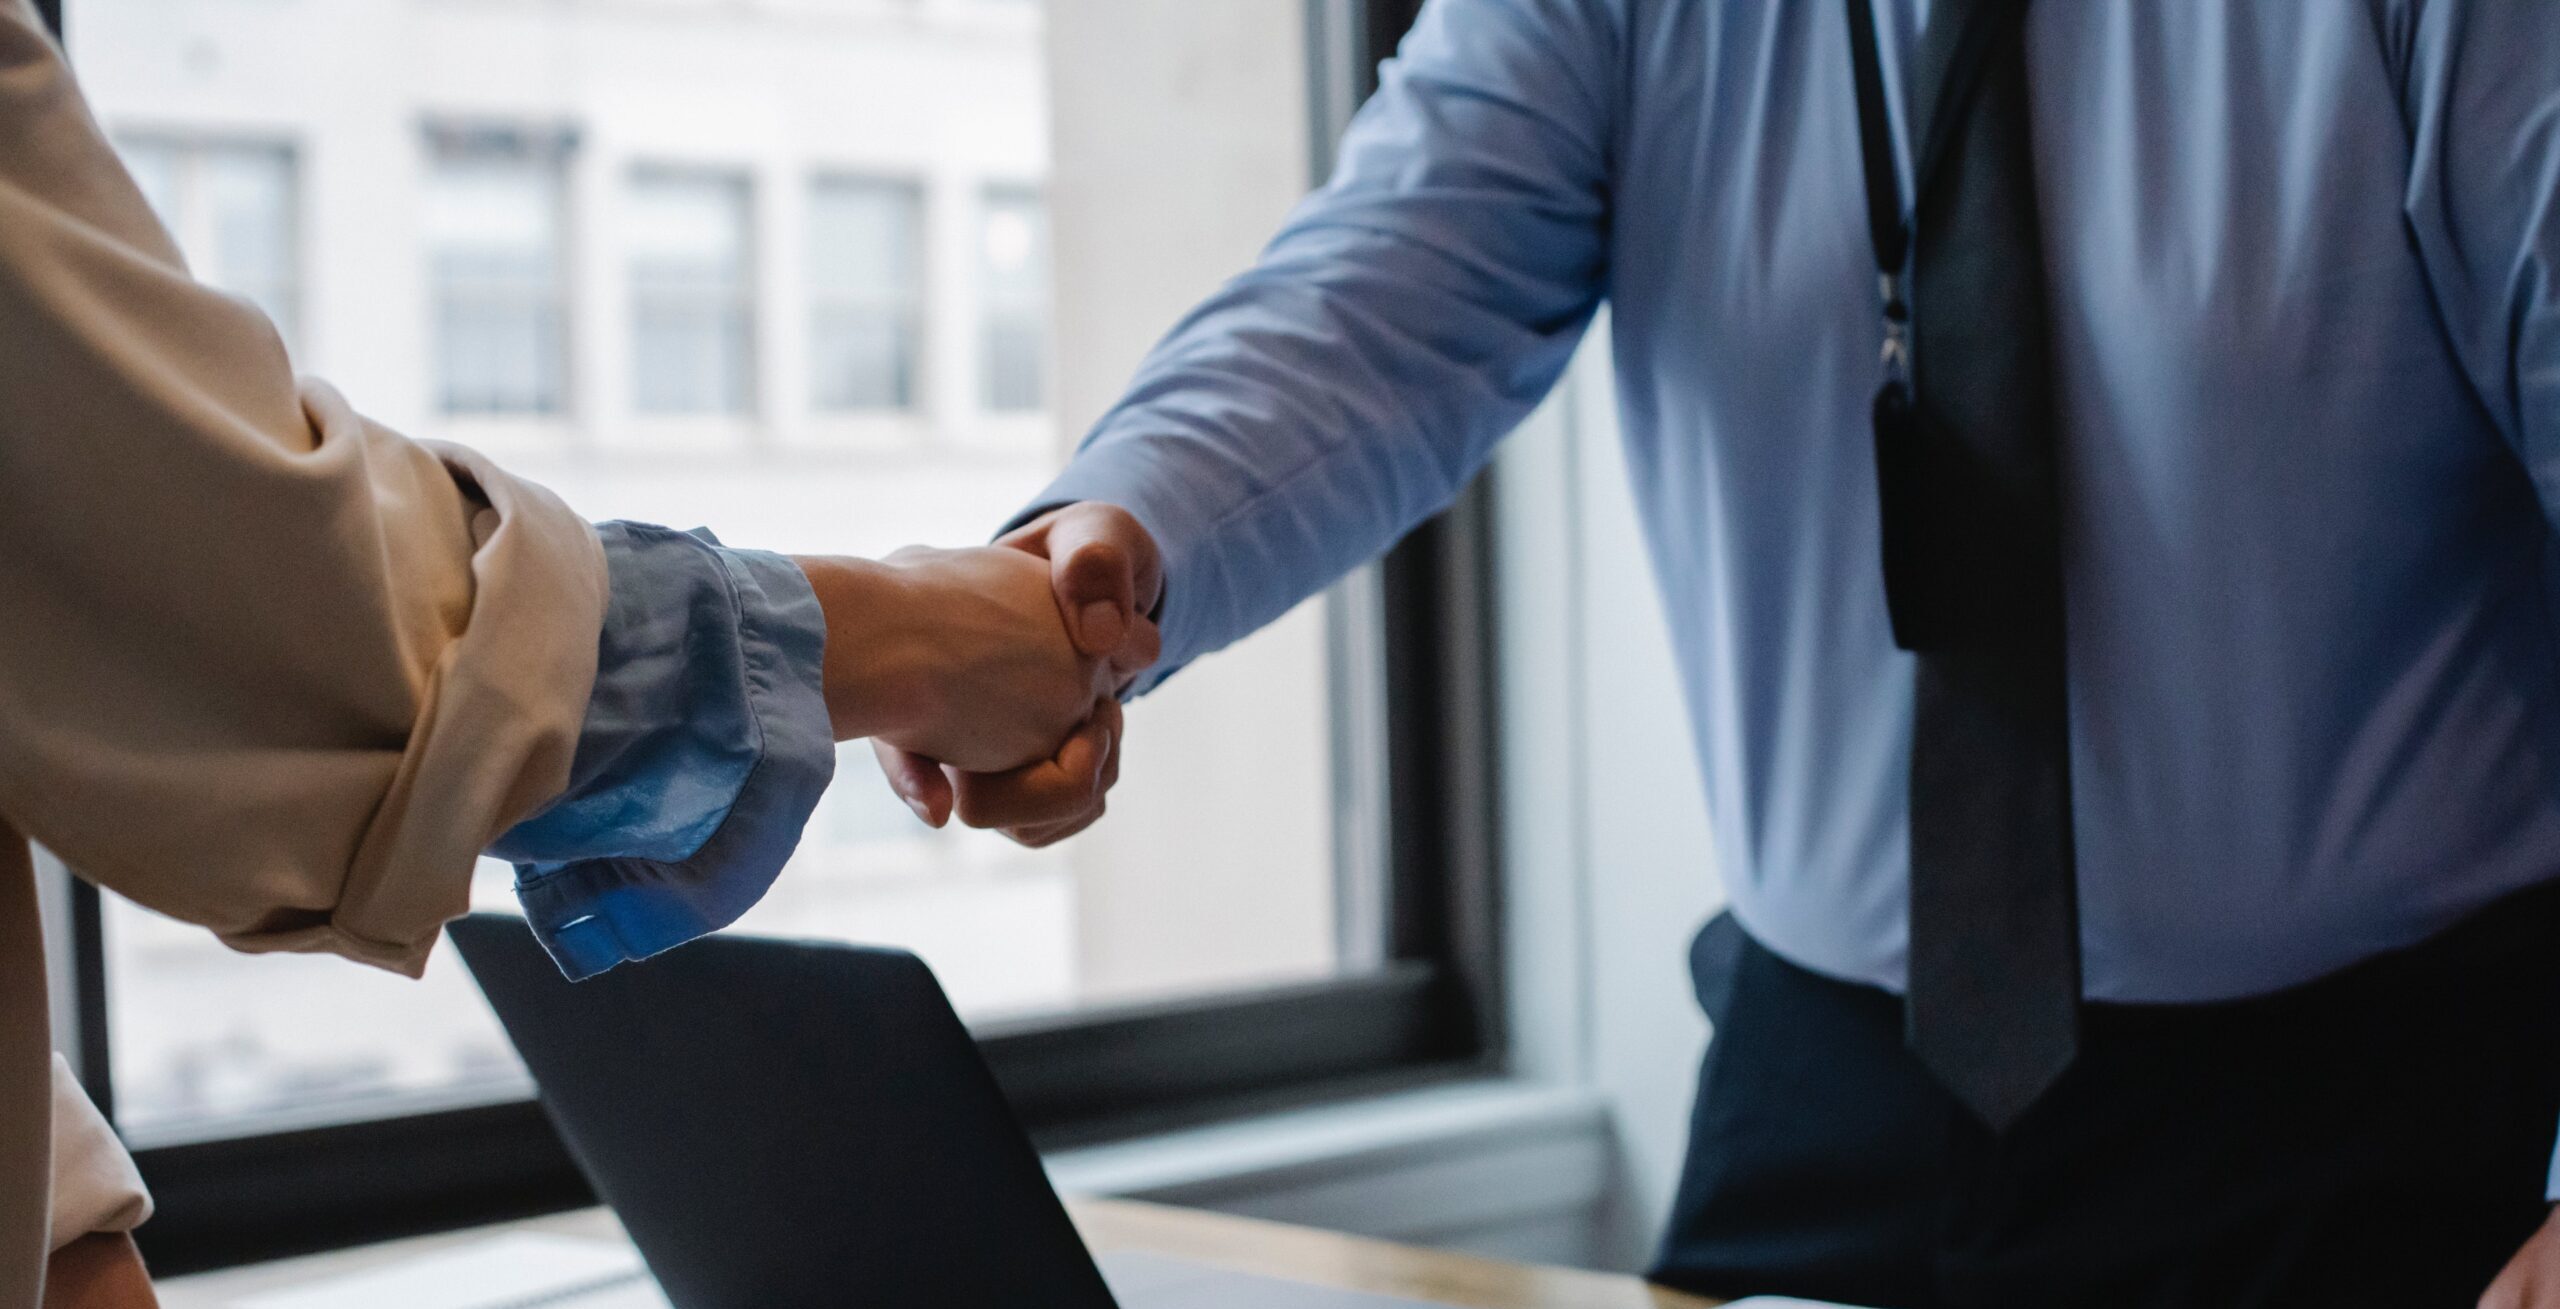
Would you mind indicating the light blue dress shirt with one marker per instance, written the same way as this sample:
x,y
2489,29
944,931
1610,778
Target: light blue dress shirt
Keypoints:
x,y
705,747
2305,262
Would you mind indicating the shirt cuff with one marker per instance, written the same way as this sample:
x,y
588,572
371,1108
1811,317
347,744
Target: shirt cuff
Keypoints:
x,y
706,746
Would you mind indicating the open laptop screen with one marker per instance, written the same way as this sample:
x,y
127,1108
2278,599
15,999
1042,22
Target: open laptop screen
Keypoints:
x,y
788,1123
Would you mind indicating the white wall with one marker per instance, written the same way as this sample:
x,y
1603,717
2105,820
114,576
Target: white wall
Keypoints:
x,y
1606,829
1178,142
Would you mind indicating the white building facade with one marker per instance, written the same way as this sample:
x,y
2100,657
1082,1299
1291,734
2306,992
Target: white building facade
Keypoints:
x,y
784,268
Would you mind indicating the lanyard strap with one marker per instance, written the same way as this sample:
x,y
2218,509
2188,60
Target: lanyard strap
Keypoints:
x,y
1956,58
1888,224
1888,230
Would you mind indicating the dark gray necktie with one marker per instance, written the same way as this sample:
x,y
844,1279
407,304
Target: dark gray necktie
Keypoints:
x,y
1967,461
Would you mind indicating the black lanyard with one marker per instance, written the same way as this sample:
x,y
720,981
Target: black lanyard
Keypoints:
x,y
1888,219
1918,600
1888,223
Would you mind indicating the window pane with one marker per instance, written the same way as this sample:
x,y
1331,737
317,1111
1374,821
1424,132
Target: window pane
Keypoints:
x,y
692,308
249,192
154,165
230,205
881,216
1013,253
866,274
493,255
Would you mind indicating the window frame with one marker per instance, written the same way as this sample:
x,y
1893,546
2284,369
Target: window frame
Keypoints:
x,y
1413,642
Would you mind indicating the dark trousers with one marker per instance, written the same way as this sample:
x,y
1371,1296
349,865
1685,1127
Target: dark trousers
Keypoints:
x,y
2379,1137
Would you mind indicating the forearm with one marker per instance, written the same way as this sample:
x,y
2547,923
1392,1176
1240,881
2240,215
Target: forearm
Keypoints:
x,y
961,655
879,656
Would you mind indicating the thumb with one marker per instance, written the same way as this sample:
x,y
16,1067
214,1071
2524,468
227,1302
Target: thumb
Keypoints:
x,y
1095,592
1094,572
918,781
1103,568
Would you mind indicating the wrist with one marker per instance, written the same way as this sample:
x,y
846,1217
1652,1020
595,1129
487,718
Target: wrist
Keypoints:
x,y
878,667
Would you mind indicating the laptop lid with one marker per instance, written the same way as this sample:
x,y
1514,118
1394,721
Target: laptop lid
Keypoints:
x,y
788,1123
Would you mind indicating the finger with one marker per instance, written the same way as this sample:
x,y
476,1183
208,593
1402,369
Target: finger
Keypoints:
x,y
1094,520
1049,834
1111,762
1040,835
1107,573
1053,790
1033,537
918,781
1097,595
1138,651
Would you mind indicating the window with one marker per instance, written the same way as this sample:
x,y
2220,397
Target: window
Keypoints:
x,y
1013,271
493,234
866,294
230,204
692,297
664,250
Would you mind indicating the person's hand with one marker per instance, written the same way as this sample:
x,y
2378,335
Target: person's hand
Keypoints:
x,y
1107,575
959,655
2531,1280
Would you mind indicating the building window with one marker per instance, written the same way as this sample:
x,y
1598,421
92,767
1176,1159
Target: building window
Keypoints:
x,y
1289,854
866,294
230,204
1013,290
692,293
495,268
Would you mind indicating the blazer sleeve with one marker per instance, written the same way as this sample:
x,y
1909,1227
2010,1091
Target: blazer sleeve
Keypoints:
x,y
265,665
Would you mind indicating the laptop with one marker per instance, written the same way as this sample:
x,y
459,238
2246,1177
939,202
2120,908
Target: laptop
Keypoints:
x,y
781,1123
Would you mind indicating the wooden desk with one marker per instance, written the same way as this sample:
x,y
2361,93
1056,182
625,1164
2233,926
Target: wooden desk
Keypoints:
x,y
1357,1263
1272,1249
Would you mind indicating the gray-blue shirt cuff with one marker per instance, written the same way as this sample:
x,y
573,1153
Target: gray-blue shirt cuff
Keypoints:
x,y
706,746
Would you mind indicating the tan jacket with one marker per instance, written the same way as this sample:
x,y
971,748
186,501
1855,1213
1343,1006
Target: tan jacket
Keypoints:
x,y
264,665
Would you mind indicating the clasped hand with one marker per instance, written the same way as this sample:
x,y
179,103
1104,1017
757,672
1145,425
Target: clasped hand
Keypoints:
x,y
988,679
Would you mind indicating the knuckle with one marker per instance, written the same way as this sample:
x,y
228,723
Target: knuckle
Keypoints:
x,y
975,808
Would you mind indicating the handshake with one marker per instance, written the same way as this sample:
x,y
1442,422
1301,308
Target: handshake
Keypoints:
x,y
988,679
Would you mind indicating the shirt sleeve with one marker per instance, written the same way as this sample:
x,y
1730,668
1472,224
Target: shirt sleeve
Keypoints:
x,y
2483,102
266,666
1407,316
706,745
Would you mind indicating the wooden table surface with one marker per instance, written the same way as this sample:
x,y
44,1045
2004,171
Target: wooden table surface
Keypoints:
x,y
1246,1245
1358,1263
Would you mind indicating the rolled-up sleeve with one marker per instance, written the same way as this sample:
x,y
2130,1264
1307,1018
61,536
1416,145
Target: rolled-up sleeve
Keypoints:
x,y
265,665
705,747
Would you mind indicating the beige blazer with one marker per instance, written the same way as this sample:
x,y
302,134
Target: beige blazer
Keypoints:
x,y
264,665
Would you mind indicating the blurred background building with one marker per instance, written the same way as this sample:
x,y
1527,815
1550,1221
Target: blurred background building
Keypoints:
x,y
824,276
